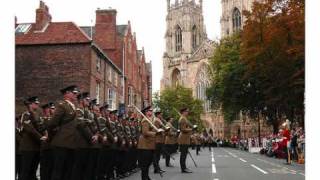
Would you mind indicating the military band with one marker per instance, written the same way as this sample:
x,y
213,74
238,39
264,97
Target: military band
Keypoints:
x,y
78,139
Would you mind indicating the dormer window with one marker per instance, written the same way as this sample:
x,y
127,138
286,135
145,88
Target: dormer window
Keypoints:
x,y
23,28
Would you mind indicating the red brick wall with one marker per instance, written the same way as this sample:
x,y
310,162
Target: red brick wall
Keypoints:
x,y
107,38
106,34
44,70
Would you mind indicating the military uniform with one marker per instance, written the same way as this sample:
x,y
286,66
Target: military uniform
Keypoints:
x,y
84,143
105,154
121,150
113,146
160,138
197,142
64,142
146,146
18,138
46,155
170,141
133,149
184,141
95,148
29,146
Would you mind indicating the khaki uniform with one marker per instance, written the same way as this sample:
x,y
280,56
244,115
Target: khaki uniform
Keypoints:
x,y
185,131
170,136
30,140
147,137
160,138
64,117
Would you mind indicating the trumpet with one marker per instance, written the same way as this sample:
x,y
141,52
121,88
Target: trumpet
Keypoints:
x,y
194,126
148,120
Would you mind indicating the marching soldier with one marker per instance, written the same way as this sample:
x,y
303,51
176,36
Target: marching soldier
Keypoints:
x,y
128,147
121,151
105,154
114,146
30,140
184,139
170,141
84,138
159,143
134,140
97,138
45,151
146,144
18,138
198,142
64,143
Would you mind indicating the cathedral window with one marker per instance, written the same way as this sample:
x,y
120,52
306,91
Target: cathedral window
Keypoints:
x,y
236,19
178,36
194,37
201,87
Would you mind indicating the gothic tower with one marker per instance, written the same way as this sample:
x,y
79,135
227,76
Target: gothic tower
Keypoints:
x,y
185,60
185,28
184,34
232,18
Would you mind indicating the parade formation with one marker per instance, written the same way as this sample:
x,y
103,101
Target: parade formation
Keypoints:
x,y
76,138
86,110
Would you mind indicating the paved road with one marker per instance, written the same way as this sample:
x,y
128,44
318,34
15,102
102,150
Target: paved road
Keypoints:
x,y
230,164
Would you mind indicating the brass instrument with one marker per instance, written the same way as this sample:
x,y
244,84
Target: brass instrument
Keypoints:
x,y
194,126
166,128
148,120
173,128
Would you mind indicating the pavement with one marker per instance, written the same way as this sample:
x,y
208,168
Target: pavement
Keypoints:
x,y
229,164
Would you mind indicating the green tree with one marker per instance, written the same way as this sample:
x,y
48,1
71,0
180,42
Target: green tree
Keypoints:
x,y
177,98
227,86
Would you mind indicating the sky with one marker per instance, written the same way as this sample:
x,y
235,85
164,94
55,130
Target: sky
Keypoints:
x,y
147,19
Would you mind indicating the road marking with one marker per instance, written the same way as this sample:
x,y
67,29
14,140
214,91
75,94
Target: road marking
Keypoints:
x,y
242,160
281,171
259,169
273,164
212,159
233,155
215,179
222,156
302,174
214,170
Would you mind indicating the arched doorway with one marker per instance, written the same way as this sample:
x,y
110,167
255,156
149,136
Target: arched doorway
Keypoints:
x,y
176,77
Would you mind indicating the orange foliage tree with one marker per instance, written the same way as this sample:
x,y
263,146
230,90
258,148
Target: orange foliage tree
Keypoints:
x,y
272,49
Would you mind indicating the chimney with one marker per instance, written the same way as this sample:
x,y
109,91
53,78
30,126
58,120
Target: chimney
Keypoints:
x,y
15,21
42,16
106,28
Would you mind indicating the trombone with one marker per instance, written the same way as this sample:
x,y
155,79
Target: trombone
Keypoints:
x,y
148,120
166,128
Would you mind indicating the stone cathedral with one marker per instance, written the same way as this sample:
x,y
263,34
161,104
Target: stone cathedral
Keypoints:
x,y
185,60
187,53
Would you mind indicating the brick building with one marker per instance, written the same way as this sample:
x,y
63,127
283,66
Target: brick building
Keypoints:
x,y
119,43
52,55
